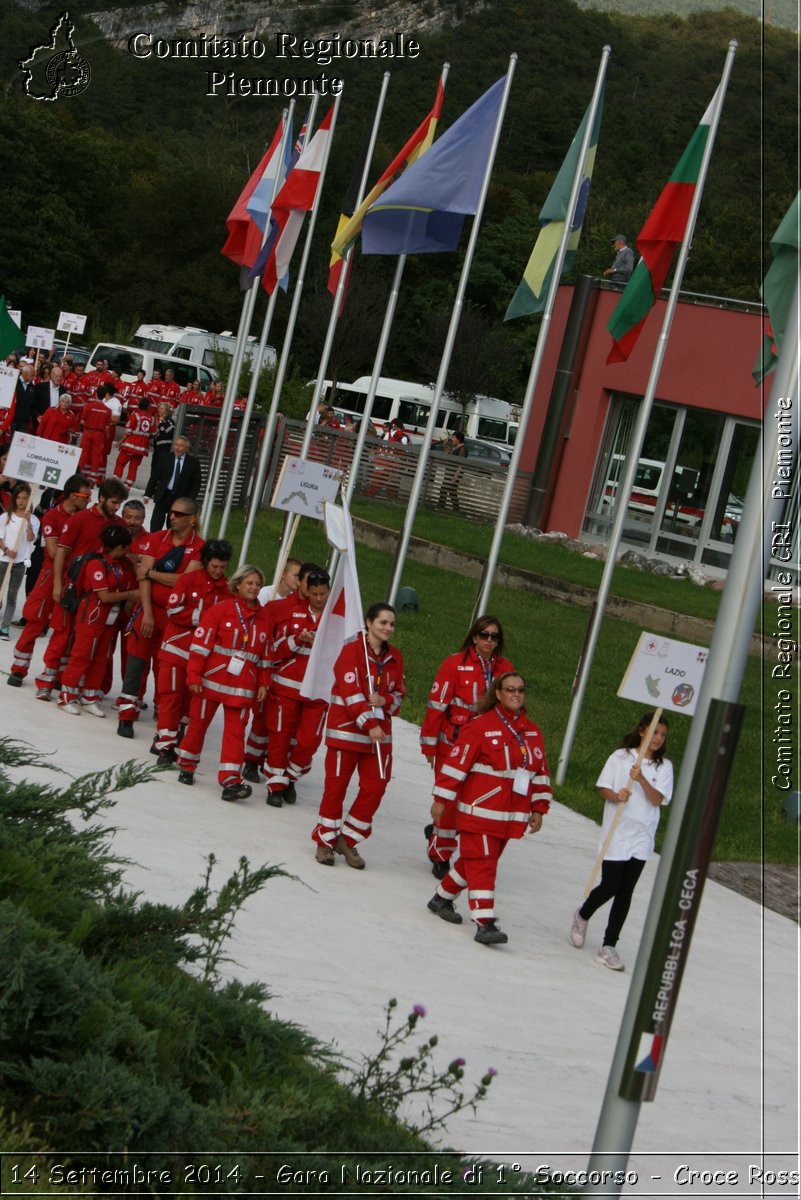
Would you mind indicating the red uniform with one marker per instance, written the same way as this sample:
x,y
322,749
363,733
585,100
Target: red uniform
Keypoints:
x,y
57,426
39,604
192,596
273,613
170,392
134,392
496,776
294,725
350,747
77,388
95,625
94,443
169,558
139,429
453,700
232,635
155,390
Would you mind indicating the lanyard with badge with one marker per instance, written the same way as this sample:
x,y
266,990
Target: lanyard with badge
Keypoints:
x,y
239,657
522,778
113,611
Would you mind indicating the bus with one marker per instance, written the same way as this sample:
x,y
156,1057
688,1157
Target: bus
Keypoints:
x,y
485,419
196,345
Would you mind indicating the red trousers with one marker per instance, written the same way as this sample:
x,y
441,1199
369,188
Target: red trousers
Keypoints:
x,y
83,674
294,731
174,699
232,751
339,768
475,868
256,744
133,461
36,611
94,452
58,648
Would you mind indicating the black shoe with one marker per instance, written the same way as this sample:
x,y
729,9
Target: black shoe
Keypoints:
x,y
237,791
154,748
429,829
167,757
288,795
444,908
489,934
440,869
14,681
275,799
250,772
125,729
187,777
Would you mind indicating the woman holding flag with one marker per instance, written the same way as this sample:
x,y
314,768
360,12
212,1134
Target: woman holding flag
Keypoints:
x,y
368,690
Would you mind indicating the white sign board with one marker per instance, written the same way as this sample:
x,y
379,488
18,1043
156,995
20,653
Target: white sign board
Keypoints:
x,y
304,486
71,323
16,317
8,384
37,460
41,338
664,674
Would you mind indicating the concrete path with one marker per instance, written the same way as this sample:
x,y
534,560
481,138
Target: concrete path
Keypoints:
x,y
335,945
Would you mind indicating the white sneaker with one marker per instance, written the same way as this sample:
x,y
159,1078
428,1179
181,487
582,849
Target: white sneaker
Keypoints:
x,y
578,930
43,694
608,956
94,709
72,707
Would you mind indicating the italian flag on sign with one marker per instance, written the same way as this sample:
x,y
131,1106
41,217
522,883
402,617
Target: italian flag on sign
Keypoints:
x,y
660,235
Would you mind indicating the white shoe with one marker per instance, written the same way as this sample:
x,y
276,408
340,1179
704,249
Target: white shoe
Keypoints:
x,y
43,694
72,707
578,930
94,709
608,956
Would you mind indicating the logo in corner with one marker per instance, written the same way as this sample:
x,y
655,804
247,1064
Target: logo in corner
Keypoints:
x,y
56,68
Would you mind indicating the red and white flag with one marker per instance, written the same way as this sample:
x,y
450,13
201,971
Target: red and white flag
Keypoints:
x,y
342,620
244,236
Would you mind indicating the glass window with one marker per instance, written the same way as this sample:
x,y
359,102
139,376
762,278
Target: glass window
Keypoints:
x,y
154,344
493,431
124,362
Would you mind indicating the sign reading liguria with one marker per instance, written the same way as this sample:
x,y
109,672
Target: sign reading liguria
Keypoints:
x,y
303,486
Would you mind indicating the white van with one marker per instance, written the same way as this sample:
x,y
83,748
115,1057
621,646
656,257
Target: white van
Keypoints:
x,y
646,487
127,360
197,345
487,419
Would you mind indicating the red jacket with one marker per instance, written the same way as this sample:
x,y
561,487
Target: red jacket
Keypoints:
x,y
350,717
96,416
192,596
460,683
57,426
481,770
139,429
157,546
100,575
229,629
80,532
288,656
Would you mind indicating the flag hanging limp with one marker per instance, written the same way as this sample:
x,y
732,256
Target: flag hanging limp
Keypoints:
x,y
779,287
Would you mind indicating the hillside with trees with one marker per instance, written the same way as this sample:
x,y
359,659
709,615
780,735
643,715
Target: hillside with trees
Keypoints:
x,y
117,203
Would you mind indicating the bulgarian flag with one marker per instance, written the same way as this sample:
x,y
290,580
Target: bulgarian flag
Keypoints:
x,y
660,235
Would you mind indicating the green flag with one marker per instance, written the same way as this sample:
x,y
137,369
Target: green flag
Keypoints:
x,y
779,287
10,333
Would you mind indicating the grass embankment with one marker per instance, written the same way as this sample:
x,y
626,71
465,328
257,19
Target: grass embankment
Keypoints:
x,y
544,639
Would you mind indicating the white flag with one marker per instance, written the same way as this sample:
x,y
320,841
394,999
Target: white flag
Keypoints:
x,y
342,619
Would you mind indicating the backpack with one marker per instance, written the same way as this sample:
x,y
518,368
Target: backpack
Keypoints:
x,y
71,596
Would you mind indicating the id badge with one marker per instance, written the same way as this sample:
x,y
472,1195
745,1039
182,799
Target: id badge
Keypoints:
x,y
113,613
522,781
236,663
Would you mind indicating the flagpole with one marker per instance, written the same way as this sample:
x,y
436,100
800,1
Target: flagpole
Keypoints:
x,y
246,317
635,449
425,450
265,333
272,416
728,655
488,574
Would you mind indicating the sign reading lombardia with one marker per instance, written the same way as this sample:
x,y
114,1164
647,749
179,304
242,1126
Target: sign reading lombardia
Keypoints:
x,y
38,460
303,487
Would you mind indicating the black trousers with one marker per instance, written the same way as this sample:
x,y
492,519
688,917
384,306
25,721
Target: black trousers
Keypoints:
x,y
161,511
618,881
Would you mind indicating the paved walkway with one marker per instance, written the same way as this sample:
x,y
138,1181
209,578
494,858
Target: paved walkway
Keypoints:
x,y
335,945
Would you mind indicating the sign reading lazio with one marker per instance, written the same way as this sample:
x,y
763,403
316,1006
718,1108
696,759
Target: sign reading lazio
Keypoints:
x,y
40,338
71,322
8,384
664,674
37,460
303,487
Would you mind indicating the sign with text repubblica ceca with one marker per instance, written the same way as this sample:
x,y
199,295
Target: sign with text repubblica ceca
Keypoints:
x,y
303,487
664,674
38,460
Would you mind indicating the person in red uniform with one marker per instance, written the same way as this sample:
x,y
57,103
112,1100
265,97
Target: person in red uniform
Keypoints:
x,y
97,420
228,667
194,594
105,583
368,690
171,389
497,776
132,392
79,535
59,424
215,395
39,604
165,556
294,725
139,430
75,383
192,394
461,681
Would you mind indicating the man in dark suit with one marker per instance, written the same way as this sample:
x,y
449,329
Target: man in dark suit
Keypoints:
x,y
24,400
179,476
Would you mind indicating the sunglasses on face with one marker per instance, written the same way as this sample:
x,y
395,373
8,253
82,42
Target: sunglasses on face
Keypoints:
x,y
179,512
490,637
514,690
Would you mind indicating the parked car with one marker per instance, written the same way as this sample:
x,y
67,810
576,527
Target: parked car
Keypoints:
x,y
488,453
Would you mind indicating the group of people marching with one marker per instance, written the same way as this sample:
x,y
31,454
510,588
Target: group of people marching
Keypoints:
x,y
211,642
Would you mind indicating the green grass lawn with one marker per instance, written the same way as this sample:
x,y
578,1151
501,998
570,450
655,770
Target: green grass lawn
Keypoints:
x,y
543,640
